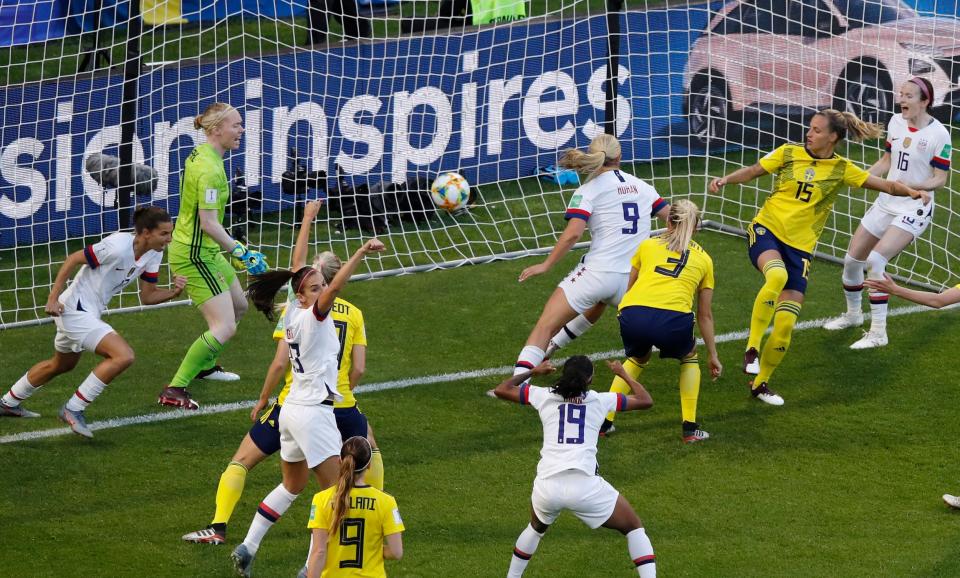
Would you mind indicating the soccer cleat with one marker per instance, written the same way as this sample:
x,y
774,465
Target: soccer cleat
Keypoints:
x,y
217,373
751,361
844,321
177,397
205,536
76,421
15,411
870,340
302,573
490,393
242,560
766,395
607,428
692,433
551,349
952,501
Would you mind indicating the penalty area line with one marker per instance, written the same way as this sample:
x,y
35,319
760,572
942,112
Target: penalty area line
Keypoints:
x,y
393,384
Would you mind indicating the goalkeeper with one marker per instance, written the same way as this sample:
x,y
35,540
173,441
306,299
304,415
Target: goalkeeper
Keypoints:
x,y
195,253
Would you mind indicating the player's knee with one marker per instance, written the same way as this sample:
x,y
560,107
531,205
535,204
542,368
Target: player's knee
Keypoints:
x,y
224,331
876,264
776,277
124,359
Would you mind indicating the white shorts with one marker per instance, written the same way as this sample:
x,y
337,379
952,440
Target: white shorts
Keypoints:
x,y
79,331
584,288
915,222
308,432
590,498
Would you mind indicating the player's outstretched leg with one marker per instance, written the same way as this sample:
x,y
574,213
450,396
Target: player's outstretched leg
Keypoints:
x,y
625,520
689,393
270,510
775,349
34,379
775,279
853,293
526,546
117,357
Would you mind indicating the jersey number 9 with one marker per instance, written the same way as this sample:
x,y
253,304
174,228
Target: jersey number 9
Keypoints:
x,y
351,534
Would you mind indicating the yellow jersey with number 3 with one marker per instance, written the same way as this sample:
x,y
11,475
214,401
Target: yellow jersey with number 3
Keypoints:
x,y
667,279
348,320
356,550
804,191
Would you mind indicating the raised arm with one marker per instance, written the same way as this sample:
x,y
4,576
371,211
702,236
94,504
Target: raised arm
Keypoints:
x,y
302,247
509,389
705,322
73,262
571,234
275,374
739,176
339,281
928,298
639,398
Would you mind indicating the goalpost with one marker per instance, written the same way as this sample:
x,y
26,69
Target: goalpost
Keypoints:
x,y
699,90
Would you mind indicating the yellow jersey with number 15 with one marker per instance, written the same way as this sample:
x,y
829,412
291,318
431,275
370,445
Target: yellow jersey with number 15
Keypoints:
x,y
804,190
356,550
667,279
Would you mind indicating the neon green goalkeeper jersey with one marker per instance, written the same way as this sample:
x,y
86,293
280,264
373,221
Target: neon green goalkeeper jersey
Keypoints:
x,y
203,186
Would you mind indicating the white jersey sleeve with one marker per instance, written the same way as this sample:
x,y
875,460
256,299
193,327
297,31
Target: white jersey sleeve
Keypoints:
x,y
914,154
570,427
618,208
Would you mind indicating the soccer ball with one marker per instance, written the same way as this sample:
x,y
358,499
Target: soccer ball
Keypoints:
x,y
450,191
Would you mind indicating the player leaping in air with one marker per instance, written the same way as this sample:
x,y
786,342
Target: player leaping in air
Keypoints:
x,y
106,268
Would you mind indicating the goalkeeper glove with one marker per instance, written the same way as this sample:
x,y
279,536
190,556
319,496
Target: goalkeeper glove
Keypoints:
x,y
254,261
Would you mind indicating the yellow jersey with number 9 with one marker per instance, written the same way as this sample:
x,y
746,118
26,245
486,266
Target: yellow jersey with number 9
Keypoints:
x,y
356,550
348,320
666,279
804,190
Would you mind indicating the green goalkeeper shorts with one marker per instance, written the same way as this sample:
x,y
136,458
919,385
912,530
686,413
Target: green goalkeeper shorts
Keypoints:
x,y
208,273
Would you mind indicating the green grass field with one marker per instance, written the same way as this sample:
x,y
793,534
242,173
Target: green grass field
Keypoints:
x,y
844,480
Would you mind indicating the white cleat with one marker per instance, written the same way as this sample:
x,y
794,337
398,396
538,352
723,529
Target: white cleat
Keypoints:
x,y
491,393
952,501
217,373
870,340
766,395
551,349
845,321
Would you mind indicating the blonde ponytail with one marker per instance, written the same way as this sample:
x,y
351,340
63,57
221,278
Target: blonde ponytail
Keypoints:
x,y
212,116
848,126
328,264
604,151
684,218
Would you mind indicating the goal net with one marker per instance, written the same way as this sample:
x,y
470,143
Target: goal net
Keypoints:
x,y
386,101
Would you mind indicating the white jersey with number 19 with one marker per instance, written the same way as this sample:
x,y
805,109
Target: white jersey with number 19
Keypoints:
x,y
570,427
314,346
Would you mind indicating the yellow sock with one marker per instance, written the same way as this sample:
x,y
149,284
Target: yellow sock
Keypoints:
x,y
775,278
633,368
689,388
228,492
779,341
375,471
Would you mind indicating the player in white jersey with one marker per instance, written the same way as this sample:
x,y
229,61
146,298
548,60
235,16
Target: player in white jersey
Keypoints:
x,y
309,438
617,208
567,475
105,268
917,154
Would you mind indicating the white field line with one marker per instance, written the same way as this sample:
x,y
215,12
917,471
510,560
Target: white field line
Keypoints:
x,y
386,385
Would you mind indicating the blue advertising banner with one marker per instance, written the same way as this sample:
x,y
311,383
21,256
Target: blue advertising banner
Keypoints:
x,y
492,104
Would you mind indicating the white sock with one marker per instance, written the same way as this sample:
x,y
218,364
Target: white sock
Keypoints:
x,y
86,393
641,552
19,392
878,300
530,357
526,546
270,510
571,331
853,283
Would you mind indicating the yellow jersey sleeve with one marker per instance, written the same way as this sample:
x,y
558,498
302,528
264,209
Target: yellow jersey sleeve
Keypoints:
x,y
348,320
773,160
278,330
390,516
321,510
358,333
854,176
707,281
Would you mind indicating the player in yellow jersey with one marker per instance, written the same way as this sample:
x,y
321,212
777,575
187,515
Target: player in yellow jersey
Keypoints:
x,y
807,180
263,439
930,299
668,272
355,526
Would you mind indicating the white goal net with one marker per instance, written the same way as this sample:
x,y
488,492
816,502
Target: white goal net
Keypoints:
x,y
386,101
